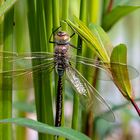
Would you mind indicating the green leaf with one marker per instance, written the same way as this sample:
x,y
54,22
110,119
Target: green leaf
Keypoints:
x,y
91,38
6,6
118,12
44,128
103,38
120,72
126,3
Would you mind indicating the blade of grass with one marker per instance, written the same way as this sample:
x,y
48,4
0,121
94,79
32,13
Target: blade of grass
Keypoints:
x,y
44,128
55,12
49,48
34,43
39,43
35,47
7,94
76,111
21,41
47,111
93,16
1,43
48,18
65,5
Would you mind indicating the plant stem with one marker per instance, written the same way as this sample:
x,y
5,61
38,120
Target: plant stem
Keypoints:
x,y
21,44
65,5
135,106
7,94
110,6
55,13
93,16
48,86
75,117
1,94
38,38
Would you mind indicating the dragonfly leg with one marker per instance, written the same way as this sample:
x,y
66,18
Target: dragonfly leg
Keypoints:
x,y
50,41
72,35
74,46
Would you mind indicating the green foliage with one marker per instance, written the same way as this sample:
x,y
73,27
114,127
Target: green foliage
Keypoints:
x,y
43,17
91,38
44,128
120,73
6,6
119,9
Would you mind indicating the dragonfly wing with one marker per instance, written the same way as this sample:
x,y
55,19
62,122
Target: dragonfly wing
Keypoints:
x,y
26,61
23,68
24,76
89,96
26,55
103,67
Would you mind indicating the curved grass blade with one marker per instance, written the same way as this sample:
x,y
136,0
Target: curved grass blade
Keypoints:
x,y
90,38
44,128
102,37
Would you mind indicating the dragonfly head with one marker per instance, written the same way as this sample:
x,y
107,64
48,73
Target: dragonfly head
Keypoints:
x,y
62,38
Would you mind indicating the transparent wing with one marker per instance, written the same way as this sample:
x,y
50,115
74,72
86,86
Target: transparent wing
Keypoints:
x,y
15,57
22,63
89,96
90,64
23,68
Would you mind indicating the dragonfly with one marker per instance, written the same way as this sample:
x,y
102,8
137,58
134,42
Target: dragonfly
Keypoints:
x,y
64,64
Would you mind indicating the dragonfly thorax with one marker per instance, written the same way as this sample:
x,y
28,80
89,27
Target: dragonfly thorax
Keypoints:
x,y
61,49
62,38
61,58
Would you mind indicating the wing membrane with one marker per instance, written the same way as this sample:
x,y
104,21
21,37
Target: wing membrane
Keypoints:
x,y
89,96
23,67
103,67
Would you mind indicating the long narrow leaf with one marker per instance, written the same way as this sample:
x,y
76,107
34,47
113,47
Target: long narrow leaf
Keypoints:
x,y
90,38
44,128
103,38
116,14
